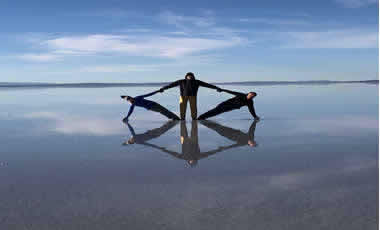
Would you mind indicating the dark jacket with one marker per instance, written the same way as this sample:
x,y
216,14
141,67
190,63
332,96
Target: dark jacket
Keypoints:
x,y
189,87
237,102
141,102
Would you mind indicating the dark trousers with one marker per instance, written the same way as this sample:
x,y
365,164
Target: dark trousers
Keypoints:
x,y
160,109
221,108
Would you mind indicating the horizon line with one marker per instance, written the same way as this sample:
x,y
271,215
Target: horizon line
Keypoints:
x,y
131,84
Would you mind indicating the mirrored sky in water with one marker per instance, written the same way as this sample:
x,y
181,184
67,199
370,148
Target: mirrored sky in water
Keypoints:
x,y
68,160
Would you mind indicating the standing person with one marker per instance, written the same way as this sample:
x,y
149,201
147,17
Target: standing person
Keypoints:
x,y
189,90
236,102
149,105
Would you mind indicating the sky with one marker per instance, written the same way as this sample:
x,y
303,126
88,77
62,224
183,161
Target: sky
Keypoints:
x,y
156,41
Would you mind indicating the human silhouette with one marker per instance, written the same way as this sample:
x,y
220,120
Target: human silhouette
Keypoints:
x,y
240,100
140,101
188,93
190,150
240,138
190,147
148,135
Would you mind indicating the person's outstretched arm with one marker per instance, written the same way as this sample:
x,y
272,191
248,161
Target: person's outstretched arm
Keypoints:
x,y
207,85
171,85
251,131
172,153
150,94
131,129
233,92
130,112
218,150
252,109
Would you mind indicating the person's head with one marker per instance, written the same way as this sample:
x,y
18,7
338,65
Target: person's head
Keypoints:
x,y
131,141
192,163
251,95
129,99
189,76
252,143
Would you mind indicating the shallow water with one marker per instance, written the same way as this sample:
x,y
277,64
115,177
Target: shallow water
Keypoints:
x,y
313,164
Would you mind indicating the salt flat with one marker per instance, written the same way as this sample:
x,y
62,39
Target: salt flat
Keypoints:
x,y
64,163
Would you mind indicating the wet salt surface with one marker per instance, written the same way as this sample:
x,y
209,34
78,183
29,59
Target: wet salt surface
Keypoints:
x,y
64,161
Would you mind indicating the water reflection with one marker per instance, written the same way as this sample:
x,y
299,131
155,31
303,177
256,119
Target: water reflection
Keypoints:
x,y
234,135
148,135
191,152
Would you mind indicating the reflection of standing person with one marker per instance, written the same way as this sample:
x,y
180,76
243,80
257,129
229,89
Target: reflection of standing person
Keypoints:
x,y
234,135
150,134
236,102
190,147
140,101
189,90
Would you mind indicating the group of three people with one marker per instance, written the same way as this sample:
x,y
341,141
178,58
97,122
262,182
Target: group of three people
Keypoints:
x,y
188,94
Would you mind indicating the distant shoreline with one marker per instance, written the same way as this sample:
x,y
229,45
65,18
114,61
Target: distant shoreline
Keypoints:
x,y
106,85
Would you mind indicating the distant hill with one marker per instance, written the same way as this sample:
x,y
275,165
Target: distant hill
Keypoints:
x,y
103,85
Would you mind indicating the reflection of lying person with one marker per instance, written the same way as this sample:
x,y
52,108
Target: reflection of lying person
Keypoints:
x,y
234,135
150,134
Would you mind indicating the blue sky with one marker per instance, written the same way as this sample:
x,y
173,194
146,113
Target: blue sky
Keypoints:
x,y
152,41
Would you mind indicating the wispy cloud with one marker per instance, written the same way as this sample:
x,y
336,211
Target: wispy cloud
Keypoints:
x,y
356,3
191,36
273,21
331,39
186,21
118,68
44,57
155,46
107,13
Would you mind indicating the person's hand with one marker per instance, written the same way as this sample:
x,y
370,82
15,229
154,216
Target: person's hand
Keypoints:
x,y
125,120
219,90
257,118
161,90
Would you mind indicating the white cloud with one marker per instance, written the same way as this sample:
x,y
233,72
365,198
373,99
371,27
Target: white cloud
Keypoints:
x,y
195,35
332,39
156,46
107,13
271,21
186,21
118,68
356,3
136,30
46,57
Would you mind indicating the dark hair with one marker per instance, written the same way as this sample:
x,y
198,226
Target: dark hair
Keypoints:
x,y
128,97
190,74
253,93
